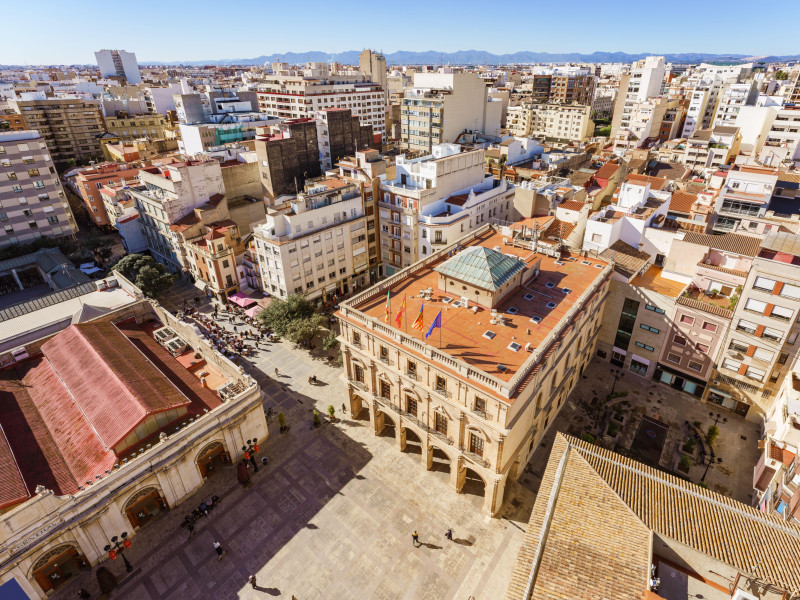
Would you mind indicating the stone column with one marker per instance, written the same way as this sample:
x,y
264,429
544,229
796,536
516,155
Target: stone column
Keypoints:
x,y
427,453
377,418
458,475
400,437
493,496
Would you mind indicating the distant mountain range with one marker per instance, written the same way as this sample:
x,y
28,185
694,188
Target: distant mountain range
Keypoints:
x,y
478,57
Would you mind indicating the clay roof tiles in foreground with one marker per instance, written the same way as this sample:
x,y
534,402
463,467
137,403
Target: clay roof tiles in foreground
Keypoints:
x,y
735,243
620,501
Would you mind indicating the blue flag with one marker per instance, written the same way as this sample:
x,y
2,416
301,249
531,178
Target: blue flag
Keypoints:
x,y
437,322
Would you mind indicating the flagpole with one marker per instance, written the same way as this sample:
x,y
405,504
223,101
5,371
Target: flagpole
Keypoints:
x,y
441,321
405,316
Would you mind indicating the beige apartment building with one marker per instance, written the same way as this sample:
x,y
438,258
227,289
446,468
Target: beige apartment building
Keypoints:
x,y
761,344
476,396
69,126
315,243
132,127
568,122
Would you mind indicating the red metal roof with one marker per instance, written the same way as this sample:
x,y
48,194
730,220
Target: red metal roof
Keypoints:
x,y
97,363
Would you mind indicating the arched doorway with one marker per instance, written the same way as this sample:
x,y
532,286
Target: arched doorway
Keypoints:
x,y
211,458
473,483
144,505
56,566
439,460
388,427
359,408
413,442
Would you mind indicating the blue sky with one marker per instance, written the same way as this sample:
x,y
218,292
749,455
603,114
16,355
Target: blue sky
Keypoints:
x,y
69,32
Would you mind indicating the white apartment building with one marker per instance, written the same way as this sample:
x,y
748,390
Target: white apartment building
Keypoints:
x,y
732,99
643,82
227,128
783,140
709,149
314,243
443,105
299,94
569,122
744,199
434,200
642,124
698,101
118,63
167,194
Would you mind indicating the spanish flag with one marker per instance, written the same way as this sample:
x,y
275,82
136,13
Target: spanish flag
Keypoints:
x,y
399,315
388,311
417,324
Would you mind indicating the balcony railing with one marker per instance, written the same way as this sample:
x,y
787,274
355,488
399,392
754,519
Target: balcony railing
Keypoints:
x,y
386,360
358,384
442,391
480,412
387,403
477,458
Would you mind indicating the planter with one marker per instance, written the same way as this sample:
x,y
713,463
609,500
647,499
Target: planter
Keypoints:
x,y
684,464
613,430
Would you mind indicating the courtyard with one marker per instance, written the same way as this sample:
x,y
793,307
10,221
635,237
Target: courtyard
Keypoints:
x,y
330,516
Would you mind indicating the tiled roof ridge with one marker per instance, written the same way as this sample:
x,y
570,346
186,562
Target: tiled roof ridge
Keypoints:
x,y
705,307
722,269
681,486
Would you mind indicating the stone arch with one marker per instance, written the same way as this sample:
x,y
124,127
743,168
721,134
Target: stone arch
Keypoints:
x,y
51,553
212,454
144,504
474,482
56,565
139,494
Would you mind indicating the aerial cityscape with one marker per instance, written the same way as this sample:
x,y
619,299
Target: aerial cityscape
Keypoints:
x,y
511,323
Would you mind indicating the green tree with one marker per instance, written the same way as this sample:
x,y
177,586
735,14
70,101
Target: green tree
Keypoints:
x,y
293,318
712,435
99,247
148,275
781,75
330,342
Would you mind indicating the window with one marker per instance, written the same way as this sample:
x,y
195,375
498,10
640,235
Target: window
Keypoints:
x,y
702,348
790,291
440,423
772,334
674,358
356,339
384,353
679,340
645,346
731,364
709,327
12,176
476,444
782,358
763,354
411,405
779,312
756,306
754,373
687,319
746,326
695,366
386,390
792,338
648,328
411,368
738,346
358,372
480,405
764,284
441,384
654,309
33,172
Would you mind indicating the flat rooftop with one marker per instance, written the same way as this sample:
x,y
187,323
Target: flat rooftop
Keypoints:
x,y
653,281
464,333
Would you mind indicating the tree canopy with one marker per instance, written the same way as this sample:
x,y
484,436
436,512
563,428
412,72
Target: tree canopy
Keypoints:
x,y
293,318
148,275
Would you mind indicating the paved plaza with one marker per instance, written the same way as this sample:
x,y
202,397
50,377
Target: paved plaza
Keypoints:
x,y
330,516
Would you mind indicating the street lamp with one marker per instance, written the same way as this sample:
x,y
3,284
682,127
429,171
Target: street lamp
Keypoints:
x,y
250,452
718,418
117,547
709,463
617,374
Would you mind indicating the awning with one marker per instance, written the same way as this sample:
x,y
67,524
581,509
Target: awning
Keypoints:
x,y
720,392
240,299
252,312
200,285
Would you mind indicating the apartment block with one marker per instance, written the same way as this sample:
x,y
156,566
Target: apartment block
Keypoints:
x,y
435,199
433,390
169,193
709,149
732,99
91,181
129,127
32,201
783,139
760,345
212,245
441,106
644,81
572,88
562,122
315,243
290,94
118,63
69,126
744,199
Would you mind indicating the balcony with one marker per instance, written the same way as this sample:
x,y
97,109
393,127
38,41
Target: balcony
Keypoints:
x,y
387,403
480,412
385,360
476,458
358,384
442,392
439,242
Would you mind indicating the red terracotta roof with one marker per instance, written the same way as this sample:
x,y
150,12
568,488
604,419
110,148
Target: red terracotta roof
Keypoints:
x,y
657,183
606,171
12,485
571,205
96,362
682,201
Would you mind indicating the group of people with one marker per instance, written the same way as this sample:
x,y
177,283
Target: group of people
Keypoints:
x,y
201,511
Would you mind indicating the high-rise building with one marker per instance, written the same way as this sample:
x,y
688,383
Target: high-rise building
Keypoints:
x,y
298,94
644,81
118,63
31,197
373,65
68,125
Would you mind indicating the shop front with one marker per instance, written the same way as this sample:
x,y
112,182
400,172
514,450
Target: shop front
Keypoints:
x,y
144,505
211,459
725,400
679,380
57,566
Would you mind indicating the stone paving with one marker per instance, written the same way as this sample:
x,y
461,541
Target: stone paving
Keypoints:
x,y
329,517
737,443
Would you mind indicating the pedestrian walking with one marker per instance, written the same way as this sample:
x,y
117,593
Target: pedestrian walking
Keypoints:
x,y
83,594
252,581
449,534
219,550
414,539
276,371
344,412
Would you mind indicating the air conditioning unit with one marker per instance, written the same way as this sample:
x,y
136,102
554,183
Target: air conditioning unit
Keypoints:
x,y
19,354
112,282
164,335
742,595
102,284
176,346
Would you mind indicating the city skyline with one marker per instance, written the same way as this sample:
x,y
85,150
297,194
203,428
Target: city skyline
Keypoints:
x,y
89,31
